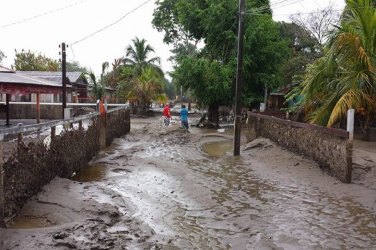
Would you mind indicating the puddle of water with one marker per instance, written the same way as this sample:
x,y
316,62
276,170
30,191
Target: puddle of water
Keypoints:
x,y
30,222
91,173
217,149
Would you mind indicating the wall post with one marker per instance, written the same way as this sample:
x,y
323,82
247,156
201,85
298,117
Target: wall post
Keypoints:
x,y
349,145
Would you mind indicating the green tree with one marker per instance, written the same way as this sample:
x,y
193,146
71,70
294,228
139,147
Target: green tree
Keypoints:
x,y
214,23
113,77
204,78
345,77
137,55
144,88
31,61
169,89
302,52
75,66
98,87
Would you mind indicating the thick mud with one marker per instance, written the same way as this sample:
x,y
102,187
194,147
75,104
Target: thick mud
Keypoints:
x,y
165,188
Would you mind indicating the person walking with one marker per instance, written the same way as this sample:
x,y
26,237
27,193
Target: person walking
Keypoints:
x,y
184,117
166,115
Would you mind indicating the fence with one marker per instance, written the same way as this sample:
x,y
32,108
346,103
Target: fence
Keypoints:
x,y
28,167
331,148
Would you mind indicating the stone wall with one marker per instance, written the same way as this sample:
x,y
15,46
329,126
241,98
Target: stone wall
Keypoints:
x,y
29,167
329,147
117,123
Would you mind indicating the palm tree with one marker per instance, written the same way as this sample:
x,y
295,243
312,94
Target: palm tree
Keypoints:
x,y
98,87
345,77
146,87
138,56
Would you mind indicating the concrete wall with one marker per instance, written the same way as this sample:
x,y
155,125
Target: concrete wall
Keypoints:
x,y
329,147
30,166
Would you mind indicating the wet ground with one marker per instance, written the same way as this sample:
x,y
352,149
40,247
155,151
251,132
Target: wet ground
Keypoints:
x,y
166,188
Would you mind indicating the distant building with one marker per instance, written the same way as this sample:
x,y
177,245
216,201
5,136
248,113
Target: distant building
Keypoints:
x,y
18,86
22,87
277,100
79,90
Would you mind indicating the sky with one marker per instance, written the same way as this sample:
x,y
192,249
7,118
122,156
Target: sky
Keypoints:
x,y
41,25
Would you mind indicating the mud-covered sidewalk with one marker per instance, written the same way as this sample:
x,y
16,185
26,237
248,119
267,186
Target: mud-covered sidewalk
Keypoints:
x,y
165,188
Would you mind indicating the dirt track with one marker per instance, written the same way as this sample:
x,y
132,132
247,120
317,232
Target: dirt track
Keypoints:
x,y
164,188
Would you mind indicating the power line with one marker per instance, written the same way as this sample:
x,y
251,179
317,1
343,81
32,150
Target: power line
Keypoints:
x,y
111,24
275,5
306,13
42,14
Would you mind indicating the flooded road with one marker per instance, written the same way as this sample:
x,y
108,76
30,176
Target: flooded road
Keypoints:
x,y
196,193
191,193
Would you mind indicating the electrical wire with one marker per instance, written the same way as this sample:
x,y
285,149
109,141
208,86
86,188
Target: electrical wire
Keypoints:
x,y
275,5
111,24
42,14
267,7
306,13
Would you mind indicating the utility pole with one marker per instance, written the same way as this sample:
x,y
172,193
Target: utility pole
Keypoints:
x,y
239,79
64,75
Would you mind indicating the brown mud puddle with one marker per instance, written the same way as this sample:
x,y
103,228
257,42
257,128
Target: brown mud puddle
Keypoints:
x,y
30,222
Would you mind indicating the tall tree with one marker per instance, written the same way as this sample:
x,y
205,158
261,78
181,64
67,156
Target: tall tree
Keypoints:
x,y
210,82
345,77
214,23
319,23
137,55
113,77
31,61
302,52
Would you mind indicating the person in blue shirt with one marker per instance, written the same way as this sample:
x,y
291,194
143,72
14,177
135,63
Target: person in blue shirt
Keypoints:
x,y
184,117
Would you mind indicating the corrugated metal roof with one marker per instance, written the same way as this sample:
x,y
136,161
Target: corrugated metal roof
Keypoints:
x,y
19,78
55,76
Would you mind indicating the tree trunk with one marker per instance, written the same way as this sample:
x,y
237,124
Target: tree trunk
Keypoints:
x,y
213,113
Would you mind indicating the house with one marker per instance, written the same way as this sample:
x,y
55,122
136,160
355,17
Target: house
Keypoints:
x,y
79,90
277,100
17,86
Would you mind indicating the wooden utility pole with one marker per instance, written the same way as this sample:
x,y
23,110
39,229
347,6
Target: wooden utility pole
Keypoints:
x,y
64,74
239,79
2,191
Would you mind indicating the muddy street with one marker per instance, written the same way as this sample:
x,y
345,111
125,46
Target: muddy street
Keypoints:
x,y
164,188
